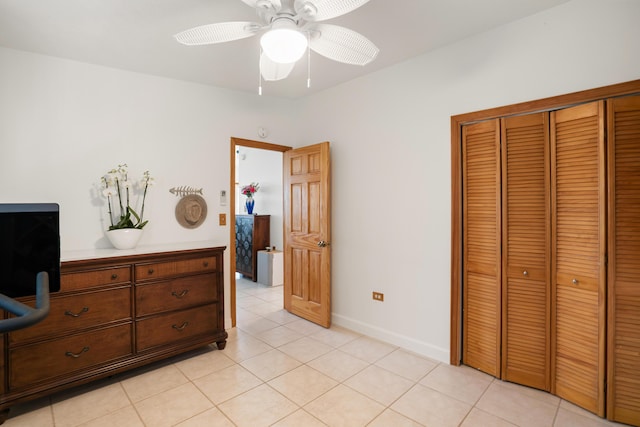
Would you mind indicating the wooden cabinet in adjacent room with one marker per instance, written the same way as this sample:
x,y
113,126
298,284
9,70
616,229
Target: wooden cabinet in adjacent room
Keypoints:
x,y
114,314
252,234
550,246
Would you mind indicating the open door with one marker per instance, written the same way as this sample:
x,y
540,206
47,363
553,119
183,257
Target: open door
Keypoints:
x,y
235,143
307,233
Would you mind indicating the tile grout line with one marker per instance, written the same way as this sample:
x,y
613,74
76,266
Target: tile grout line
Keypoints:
x,y
338,383
343,381
309,333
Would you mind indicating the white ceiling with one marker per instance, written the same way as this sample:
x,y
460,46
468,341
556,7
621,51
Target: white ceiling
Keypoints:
x,y
137,35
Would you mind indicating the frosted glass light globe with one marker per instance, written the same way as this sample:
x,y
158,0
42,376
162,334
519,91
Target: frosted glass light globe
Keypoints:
x,y
284,45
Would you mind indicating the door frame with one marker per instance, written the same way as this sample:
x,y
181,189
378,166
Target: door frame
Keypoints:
x,y
239,142
545,104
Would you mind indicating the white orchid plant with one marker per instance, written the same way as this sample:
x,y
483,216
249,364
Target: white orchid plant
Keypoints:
x,y
116,183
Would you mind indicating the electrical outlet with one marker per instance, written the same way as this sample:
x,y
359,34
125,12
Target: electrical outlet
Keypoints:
x,y
378,296
223,219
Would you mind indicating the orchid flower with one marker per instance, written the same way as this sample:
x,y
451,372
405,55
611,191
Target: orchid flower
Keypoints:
x,y
116,182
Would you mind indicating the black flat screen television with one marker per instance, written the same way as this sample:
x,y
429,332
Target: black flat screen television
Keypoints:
x,y
29,243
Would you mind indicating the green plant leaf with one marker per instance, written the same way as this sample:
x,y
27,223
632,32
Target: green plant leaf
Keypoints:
x,y
135,215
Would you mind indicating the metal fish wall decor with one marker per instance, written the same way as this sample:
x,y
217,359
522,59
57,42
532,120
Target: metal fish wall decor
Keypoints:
x,y
185,190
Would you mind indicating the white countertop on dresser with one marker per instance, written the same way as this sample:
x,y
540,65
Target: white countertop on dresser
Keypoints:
x,y
142,249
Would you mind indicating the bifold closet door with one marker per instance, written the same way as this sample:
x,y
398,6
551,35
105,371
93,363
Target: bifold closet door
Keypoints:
x,y
578,249
525,250
481,246
623,392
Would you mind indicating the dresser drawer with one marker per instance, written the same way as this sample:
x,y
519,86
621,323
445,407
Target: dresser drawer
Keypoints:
x,y
93,278
80,311
174,327
175,294
39,362
159,270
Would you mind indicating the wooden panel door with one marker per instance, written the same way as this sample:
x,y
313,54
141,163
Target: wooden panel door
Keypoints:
x,y
526,241
481,246
623,392
307,229
578,248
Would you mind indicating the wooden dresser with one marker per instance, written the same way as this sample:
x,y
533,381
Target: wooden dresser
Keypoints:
x,y
114,314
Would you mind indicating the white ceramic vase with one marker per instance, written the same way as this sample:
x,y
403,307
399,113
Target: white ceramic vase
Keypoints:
x,y
124,238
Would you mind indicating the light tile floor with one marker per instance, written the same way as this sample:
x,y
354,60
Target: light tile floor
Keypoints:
x,y
280,370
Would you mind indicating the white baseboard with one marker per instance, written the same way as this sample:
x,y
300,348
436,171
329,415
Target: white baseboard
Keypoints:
x,y
411,344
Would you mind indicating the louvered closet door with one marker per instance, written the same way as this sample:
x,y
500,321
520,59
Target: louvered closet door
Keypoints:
x,y
481,247
526,243
623,394
578,197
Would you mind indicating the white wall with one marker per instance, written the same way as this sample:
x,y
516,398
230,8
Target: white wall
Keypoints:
x,y
265,168
63,124
390,136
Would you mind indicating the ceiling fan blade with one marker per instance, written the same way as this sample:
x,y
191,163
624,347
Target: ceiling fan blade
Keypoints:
x,y
272,71
266,4
217,33
321,10
342,44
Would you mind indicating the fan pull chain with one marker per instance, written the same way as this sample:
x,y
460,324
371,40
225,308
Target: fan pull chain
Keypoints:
x,y
260,74
308,60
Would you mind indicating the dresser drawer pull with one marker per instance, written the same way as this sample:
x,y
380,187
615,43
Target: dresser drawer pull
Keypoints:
x,y
181,327
114,276
151,271
70,313
181,294
76,355
206,263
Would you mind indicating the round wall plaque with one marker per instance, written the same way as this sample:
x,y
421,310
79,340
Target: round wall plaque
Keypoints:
x,y
191,211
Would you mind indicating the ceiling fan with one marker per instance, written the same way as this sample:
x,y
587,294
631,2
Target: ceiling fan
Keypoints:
x,y
289,29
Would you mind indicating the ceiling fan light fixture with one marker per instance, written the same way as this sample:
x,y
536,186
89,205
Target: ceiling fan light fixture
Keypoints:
x,y
284,43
